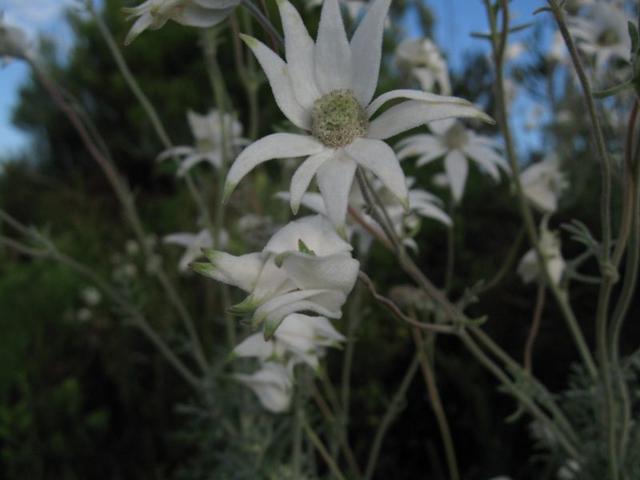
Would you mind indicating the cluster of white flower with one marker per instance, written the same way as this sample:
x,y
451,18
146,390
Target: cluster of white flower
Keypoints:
x,y
305,267
325,88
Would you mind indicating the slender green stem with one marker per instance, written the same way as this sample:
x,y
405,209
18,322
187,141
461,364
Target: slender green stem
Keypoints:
x,y
608,270
51,252
126,200
390,415
535,328
499,41
260,17
436,405
526,402
147,106
324,453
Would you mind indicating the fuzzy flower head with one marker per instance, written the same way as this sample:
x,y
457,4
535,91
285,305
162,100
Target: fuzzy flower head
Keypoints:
x,y
529,267
207,131
458,145
326,87
543,183
603,33
305,267
425,62
154,14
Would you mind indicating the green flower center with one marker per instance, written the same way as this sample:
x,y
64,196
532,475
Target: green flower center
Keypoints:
x,y
338,119
456,137
607,38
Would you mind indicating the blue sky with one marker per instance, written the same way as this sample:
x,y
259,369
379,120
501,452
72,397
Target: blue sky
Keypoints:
x,y
455,20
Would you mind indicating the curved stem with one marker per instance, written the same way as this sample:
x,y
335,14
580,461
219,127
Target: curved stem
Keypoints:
x,y
436,405
535,327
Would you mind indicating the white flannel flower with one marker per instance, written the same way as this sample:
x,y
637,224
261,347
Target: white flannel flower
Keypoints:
x,y
13,41
272,385
426,64
305,267
194,243
529,267
303,338
458,145
543,183
603,34
154,14
209,146
91,296
569,471
325,87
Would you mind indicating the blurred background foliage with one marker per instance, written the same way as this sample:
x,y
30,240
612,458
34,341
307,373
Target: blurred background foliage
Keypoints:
x,y
89,398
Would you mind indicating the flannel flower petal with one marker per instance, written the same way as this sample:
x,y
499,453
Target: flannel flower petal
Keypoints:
x,y
326,88
272,384
458,145
194,243
425,63
207,132
529,267
603,33
305,267
154,14
543,183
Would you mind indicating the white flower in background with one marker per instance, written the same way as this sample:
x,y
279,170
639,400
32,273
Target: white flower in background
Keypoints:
x,y
405,222
13,41
91,296
305,267
194,243
326,88
272,385
458,145
543,183
209,146
529,267
425,62
300,338
603,34
154,14
569,471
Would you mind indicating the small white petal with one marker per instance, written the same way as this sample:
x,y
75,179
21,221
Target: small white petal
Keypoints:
x,y
431,156
303,176
338,271
487,158
277,145
281,85
254,346
366,48
409,94
457,168
300,50
332,53
315,231
241,272
196,16
378,157
334,179
413,113
441,127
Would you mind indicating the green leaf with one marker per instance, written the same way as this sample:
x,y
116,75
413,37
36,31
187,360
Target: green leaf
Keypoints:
x,y
635,37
